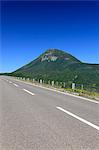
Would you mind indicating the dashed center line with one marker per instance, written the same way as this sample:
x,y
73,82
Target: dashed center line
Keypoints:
x,y
10,82
79,118
29,92
15,84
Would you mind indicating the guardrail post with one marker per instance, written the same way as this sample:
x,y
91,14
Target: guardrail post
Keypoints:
x,y
61,84
52,83
40,81
33,80
64,84
73,86
82,87
49,82
56,83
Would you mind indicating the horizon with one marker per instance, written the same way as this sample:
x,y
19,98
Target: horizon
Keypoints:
x,y
44,52
29,28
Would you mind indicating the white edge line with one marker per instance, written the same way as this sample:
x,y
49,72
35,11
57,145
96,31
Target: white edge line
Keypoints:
x,y
15,84
79,118
28,92
10,82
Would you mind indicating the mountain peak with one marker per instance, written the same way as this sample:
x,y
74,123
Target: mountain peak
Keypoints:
x,y
55,51
56,54
49,55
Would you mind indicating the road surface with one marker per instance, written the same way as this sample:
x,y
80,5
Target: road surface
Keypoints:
x,y
34,118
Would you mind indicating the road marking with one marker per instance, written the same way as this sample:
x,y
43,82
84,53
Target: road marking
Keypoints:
x,y
79,118
28,92
10,82
15,84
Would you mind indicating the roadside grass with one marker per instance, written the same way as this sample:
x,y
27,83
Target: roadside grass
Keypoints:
x,y
84,93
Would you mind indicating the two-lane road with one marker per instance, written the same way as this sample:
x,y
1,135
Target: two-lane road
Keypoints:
x,y
35,118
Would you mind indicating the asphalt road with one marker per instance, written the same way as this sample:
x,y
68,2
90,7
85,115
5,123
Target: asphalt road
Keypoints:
x,y
34,118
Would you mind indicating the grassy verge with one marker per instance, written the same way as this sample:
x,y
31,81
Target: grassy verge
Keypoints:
x,y
84,93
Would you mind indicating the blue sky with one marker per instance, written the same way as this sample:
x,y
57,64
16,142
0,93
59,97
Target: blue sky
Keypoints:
x,y
28,28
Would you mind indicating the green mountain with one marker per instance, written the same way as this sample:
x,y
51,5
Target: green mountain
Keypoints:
x,y
60,66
